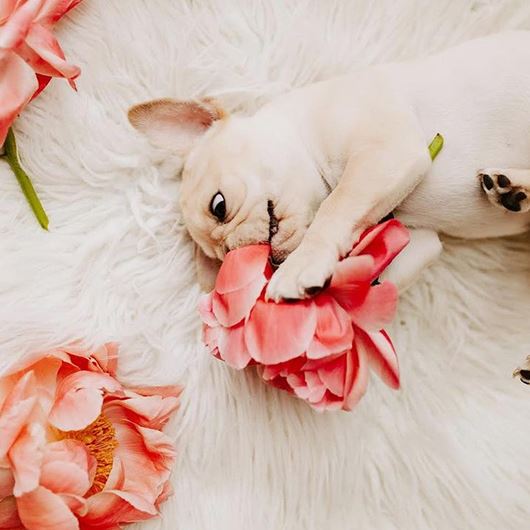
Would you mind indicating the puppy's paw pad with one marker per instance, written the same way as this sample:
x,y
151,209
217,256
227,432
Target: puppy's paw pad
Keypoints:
x,y
503,192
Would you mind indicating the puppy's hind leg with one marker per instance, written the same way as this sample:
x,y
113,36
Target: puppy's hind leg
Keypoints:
x,y
424,248
507,188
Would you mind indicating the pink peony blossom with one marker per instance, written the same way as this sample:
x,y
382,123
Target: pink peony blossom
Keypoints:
x,y
78,449
29,53
319,349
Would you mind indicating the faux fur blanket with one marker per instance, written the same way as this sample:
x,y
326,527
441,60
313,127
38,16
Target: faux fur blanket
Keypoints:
x,y
451,450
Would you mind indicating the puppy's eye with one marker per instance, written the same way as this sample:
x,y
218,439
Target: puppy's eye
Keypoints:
x,y
218,206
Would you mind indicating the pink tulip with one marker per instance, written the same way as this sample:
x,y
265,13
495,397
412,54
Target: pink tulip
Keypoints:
x,y
319,349
77,448
29,53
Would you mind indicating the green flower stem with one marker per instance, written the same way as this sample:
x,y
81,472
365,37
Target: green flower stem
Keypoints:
x,y
436,146
10,155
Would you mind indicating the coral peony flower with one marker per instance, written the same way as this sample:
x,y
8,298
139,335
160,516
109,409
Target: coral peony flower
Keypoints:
x,y
77,449
29,53
319,349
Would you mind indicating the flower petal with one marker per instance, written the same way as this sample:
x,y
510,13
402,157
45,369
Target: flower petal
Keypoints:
x,y
16,411
230,308
241,267
206,310
353,270
108,508
44,54
279,332
6,9
53,10
15,30
26,456
106,357
9,514
146,459
232,346
65,468
17,85
381,356
7,481
75,503
79,399
334,331
333,375
383,242
356,379
150,411
377,309
41,509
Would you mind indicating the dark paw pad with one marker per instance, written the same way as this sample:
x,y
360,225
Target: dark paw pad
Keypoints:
x,y
512,200
503,181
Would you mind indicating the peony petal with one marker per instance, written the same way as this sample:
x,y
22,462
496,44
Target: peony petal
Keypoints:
x,y
381,356
41,509
43,53
328,402
377,309
160,448
356,378
16,411
241,267
6,9
26,456
163,391
110,507
334,331
7,481
279,332
53,10
233,348
152,411
8,514
146,457
353,270
230,308
167,491
206,310
65,468
17,85
15,30
383,242
79,399
284,369
106,357
333,375
75,503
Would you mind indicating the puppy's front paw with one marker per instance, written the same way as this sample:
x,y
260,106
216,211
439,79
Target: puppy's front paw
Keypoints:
x,y
302,274
504,190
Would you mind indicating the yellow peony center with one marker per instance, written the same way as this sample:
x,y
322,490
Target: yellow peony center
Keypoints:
x,y
100,440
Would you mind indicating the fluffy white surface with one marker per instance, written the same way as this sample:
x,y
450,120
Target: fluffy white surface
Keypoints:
x,y
451,450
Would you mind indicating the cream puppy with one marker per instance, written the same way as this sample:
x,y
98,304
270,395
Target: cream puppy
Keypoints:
x,y
313,168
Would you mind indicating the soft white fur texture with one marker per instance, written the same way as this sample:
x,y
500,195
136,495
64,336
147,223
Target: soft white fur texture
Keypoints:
x,y
451,450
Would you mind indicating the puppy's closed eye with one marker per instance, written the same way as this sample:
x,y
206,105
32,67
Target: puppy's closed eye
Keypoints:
x,y
218,206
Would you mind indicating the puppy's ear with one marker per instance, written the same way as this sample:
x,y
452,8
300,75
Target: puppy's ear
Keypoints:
x,y
173,124
207,269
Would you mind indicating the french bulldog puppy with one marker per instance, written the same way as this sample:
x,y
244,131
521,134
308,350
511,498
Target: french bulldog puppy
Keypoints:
x,y
312,169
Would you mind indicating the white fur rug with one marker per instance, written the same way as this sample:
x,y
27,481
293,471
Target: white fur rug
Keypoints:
x,y
451,450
